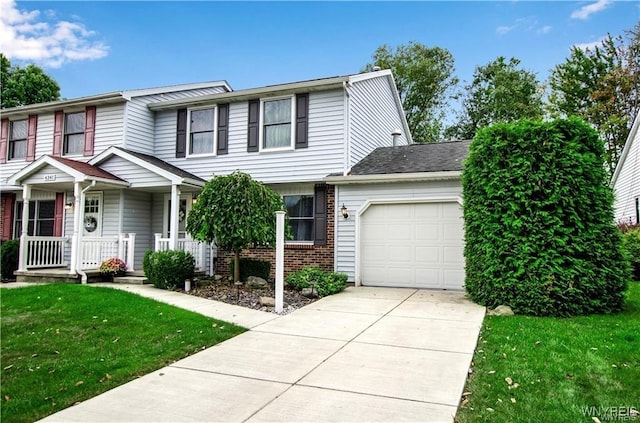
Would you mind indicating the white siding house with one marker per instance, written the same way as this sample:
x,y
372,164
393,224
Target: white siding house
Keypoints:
x,y
626,179
118,182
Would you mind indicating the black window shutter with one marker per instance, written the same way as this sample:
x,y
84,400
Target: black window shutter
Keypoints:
x,y
320,215
254,126
181,134
302,120
223,129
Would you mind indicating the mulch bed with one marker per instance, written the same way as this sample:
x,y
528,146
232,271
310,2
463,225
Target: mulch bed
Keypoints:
x,y
246,296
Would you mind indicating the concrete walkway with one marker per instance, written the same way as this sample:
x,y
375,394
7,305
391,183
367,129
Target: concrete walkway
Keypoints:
x,y
367,354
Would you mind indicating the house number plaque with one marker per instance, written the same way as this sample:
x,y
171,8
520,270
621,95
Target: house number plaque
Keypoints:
x,y
49,178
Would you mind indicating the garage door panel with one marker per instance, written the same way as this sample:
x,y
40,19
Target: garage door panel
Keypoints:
x,y
416,245
427,232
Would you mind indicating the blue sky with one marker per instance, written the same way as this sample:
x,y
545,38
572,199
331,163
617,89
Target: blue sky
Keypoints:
x,y
97,47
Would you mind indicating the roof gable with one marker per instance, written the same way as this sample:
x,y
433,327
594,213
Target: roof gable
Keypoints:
x,y
77,170
629,144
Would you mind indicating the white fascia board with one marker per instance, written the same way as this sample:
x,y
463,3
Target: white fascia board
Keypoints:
x,y
37,165
393,177
109,98
251,93
625,151
114,151
129,94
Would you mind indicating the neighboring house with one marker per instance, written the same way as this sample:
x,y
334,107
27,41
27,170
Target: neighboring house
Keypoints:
x,y
112,174
626,179
404,226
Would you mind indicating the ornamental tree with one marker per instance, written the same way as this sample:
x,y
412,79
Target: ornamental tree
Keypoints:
x,y
235,211
539,227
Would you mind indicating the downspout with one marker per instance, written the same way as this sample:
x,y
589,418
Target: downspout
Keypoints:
x,y
83,275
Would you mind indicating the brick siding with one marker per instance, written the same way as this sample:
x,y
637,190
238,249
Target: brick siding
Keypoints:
x,y
296,257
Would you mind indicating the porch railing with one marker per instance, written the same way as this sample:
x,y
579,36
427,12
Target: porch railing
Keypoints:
x,y
196,248
46,251
96,250
49,251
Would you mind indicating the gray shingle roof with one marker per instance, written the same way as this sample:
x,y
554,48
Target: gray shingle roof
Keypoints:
x,y
163,165
434,157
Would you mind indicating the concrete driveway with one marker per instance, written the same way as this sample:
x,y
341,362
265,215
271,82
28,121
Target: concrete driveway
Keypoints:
x,y
367,354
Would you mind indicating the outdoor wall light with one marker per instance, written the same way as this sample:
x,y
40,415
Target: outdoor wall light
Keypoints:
x,y
344,211
69,205
194,198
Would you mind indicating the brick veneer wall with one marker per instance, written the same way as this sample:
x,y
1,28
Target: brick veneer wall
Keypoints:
x,y
296,257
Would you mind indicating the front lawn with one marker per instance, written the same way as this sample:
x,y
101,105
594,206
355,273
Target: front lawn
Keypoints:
x,y
540,369
67,343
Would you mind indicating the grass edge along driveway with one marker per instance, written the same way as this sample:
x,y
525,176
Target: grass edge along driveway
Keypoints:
x,y
63,344
543,369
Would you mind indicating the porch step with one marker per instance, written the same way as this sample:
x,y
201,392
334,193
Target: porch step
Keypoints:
x,y
132,280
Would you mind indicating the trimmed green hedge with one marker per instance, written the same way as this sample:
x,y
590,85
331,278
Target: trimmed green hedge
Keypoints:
x,y
323,282
539,228
9,251
631,245
168,269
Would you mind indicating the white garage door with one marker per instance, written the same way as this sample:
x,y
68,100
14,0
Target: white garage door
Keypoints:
x,y
417,245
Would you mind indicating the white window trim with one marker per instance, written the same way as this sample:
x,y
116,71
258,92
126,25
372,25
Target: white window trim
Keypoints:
x,y
215,130
313,217
64,132
9,140
293,125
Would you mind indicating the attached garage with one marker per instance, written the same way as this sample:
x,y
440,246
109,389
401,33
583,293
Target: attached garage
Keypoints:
x,y
416,245
405,224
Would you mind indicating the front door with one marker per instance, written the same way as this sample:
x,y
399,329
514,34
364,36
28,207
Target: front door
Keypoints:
x,y
92,219
185,207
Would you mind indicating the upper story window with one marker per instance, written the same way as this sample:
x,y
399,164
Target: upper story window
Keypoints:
x,y
74,126
300,215
277,128
18,139
202,131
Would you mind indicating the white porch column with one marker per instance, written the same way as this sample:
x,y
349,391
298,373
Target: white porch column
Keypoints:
x,y
26,197
156,246
77,214
175,209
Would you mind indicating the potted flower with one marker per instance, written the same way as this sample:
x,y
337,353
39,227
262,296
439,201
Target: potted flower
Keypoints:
x,y
112,267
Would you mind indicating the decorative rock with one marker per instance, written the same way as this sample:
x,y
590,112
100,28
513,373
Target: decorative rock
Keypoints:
x,y
256,282
267,301
217,278
309,292
501,310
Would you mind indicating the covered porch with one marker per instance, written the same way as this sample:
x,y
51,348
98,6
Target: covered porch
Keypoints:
x,y
101,210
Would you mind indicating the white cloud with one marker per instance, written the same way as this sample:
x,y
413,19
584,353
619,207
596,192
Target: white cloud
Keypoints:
x,y
585,11
526,24
26,36
502,30
589,46
544,30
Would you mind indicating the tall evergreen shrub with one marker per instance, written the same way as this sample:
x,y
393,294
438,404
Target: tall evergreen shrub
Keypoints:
x,y
539,227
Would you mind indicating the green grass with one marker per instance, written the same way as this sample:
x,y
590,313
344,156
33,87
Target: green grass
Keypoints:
x,y
67,343
556,368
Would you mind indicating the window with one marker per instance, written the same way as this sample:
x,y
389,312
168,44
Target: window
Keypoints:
x,y
18,139
201,131
300,215
74,125
41,218
277,128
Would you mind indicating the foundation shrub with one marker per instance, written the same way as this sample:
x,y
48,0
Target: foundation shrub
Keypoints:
x,y
9,251
324,283
168,269
539,228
